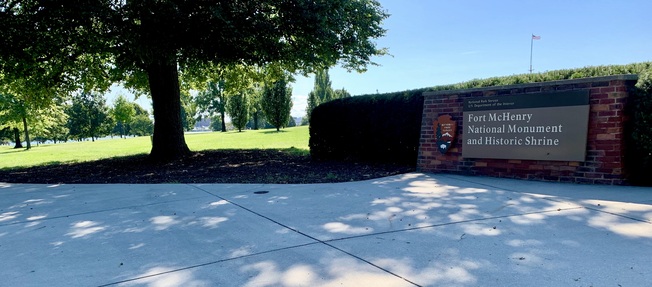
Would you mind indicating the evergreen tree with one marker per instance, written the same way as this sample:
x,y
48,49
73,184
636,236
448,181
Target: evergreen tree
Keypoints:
x,y
256,106
321,93
238,109
340,94
277,103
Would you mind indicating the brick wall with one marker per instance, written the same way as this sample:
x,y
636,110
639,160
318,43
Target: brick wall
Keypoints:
x,y
605,142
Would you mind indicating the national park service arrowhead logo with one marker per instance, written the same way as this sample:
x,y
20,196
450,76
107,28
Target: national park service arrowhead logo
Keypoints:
x,y
444,128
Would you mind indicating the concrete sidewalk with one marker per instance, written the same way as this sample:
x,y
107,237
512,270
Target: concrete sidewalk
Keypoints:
x,y
408,230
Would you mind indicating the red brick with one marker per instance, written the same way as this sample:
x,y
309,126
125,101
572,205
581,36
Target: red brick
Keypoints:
x,y
617,95
600,107
592,175
607,113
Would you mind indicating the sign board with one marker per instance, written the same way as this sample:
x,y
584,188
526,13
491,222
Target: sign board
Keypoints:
x,y
445,129
542,126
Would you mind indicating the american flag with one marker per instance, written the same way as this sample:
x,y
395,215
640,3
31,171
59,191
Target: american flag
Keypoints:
x,y
535,37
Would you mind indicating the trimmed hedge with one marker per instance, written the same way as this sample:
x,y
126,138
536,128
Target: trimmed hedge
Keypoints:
x,y
557,75
638,156
376,128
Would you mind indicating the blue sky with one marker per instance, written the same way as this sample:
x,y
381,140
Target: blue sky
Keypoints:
x,y
445,42
435,42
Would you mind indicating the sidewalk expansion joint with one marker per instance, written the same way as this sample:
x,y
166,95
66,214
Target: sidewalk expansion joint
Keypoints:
x,y
207,264
451,223
98,211
619,215
309,236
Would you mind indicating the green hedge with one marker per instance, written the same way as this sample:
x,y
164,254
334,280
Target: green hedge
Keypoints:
x,y
376,128
567,74
638,157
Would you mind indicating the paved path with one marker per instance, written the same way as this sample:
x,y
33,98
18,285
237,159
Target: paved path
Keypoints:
x,y
407,230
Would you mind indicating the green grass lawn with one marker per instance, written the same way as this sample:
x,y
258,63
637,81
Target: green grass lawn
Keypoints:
x,y
296,137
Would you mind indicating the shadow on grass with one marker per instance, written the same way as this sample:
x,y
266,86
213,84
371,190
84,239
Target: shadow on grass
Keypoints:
x,y
23,149
275,132
45,164
296,151
293,151
13,150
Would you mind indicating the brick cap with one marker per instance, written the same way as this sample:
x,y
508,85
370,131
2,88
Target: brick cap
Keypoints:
x,y
625,77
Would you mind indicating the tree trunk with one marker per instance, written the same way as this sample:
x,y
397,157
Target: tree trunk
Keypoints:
x,y
223,122
29,144
168,141
256,120
18,144
222,107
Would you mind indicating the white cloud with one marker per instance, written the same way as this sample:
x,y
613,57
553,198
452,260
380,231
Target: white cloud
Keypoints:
x,y
299,103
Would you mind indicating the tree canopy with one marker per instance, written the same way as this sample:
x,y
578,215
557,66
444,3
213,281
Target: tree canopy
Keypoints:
x,y
88,44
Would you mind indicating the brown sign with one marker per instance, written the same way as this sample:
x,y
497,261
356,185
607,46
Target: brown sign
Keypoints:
x,y
444,128
542,126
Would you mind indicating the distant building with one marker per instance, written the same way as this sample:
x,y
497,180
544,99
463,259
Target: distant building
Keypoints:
x,y
202,125
297,120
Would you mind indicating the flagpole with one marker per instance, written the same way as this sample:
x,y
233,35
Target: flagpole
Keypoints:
x,y
531,46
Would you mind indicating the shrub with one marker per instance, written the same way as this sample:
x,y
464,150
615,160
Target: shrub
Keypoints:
x,y
377,128
638,158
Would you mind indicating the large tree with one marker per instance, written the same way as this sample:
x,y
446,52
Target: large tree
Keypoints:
x,y
141,125
146,43
238,109
218,83
212,101
321,92
13,114
188,111
20,111
88,116
256,106
50,124
123,112
277,103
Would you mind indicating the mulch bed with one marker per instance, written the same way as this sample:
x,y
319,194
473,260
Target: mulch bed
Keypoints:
x,y
218,166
